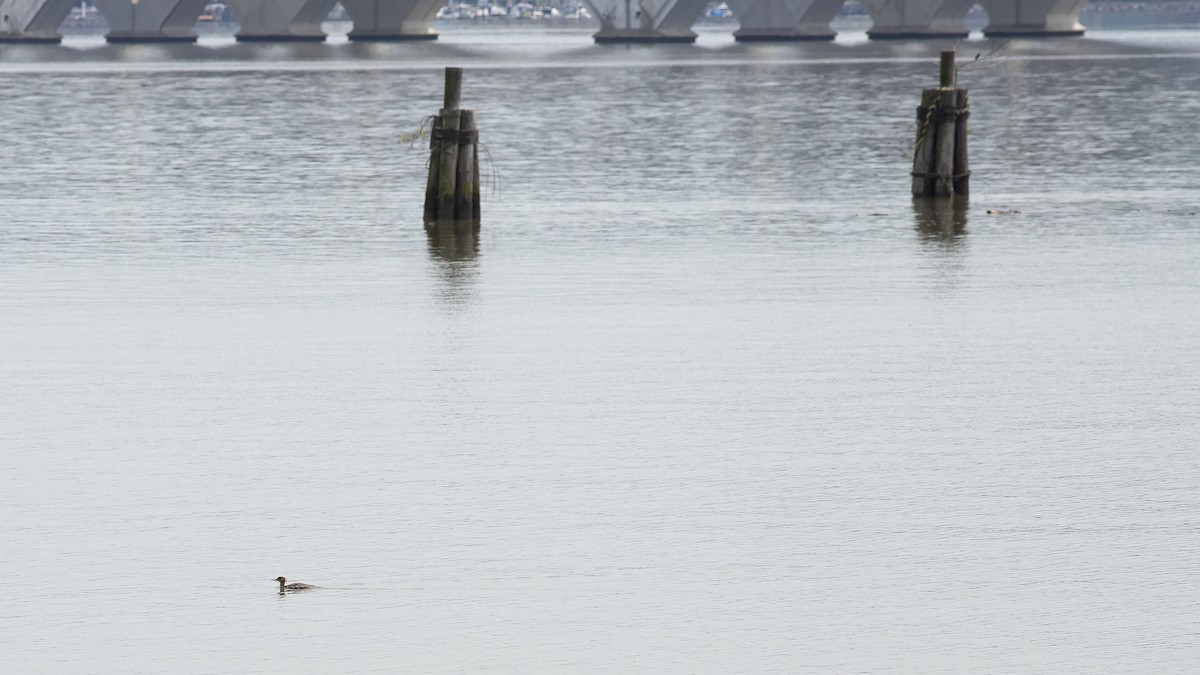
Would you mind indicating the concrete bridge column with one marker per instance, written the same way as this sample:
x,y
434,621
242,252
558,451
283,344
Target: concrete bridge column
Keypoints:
x,y
646,20
33,21
281,20
918,19
1033,18
393,20
784,20
151,20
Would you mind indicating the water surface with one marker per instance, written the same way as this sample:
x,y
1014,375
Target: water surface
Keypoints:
x,y
708,393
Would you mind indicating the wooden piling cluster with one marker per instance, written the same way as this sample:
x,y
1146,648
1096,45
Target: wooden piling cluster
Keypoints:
x,y
940,163
452,191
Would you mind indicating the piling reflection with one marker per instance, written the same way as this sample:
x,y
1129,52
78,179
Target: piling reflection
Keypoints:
x,y
941,225
941,221
455,257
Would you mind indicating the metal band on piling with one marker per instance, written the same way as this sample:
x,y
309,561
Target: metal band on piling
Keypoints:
x,y
457,136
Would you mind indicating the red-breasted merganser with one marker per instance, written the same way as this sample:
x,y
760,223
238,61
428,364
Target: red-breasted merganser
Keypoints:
x,y
285,587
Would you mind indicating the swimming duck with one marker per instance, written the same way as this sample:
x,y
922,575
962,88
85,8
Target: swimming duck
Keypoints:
x,y
285,587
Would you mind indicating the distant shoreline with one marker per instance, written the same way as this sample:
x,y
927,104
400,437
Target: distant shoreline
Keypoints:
x,y
1100,6
94,23
1124,6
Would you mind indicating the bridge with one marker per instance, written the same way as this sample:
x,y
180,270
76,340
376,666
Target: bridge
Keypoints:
x,y
622,21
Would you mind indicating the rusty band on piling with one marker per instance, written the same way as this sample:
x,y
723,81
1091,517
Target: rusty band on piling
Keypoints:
x,y
942,113
455,136
934,175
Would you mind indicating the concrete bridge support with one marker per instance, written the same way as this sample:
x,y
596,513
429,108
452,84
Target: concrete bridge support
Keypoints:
x,y
784,20
281,20
33,21
646,20
393,20
1033,18
151,20
918,19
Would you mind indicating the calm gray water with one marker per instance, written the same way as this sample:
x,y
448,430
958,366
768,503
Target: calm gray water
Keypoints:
x,y
707,395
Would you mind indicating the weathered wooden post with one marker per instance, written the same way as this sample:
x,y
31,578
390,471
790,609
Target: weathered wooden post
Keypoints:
x,y
464,184
940,164
452,190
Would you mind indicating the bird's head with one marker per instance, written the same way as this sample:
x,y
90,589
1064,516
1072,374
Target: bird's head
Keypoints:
x,y
280,579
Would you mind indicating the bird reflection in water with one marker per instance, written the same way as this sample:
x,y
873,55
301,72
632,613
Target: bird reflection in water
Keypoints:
x,y
455,258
